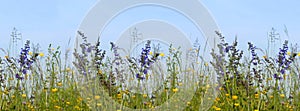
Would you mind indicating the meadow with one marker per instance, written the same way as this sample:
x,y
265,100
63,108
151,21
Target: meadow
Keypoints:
x,y
90,78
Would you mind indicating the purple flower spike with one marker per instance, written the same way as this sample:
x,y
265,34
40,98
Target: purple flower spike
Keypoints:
x,y
19,77
139,77
277,77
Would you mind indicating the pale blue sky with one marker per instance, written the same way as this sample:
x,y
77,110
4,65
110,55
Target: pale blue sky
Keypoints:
x,y
56,21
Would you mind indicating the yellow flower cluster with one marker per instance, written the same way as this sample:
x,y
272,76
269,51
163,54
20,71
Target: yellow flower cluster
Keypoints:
x,y
256,96
24,95
234,97
175,90
97,97
145,95
54,90
216,108
59,84
41,54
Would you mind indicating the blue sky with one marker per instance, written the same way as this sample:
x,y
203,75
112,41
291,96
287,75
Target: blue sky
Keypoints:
x,y
56,21
250,20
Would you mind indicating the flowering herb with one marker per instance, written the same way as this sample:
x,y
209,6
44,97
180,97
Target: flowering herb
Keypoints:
x,y
117,58
82,60
145,61
99,55
24,61
116,65
255,59
284,61
219,62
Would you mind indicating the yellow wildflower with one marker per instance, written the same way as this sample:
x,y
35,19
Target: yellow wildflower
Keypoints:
x,y
150,52
57,107
68,69
175,90
271,97
79,99
234,97
11,79
77,107
162,54
298,54
68,103
133,96
5,92
218,109
180,84
97,97
119,96
269,79
24,95
59,84
99,104
227,95
221,88
288,53
236,104
256,110
256,96
144,95
41,54
206,64
217,99
282,95
188,103
6,57
54,90
30,53
214,107
100,72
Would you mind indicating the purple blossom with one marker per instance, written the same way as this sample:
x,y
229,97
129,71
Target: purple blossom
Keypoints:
x,y
24,71
282,60
145,71
89,49
228,48
282,71
282,54
145,61
139,77
24,61
19,77
277,77
255,59
115,49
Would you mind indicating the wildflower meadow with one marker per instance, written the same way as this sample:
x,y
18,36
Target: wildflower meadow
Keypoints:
x,y
90,78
